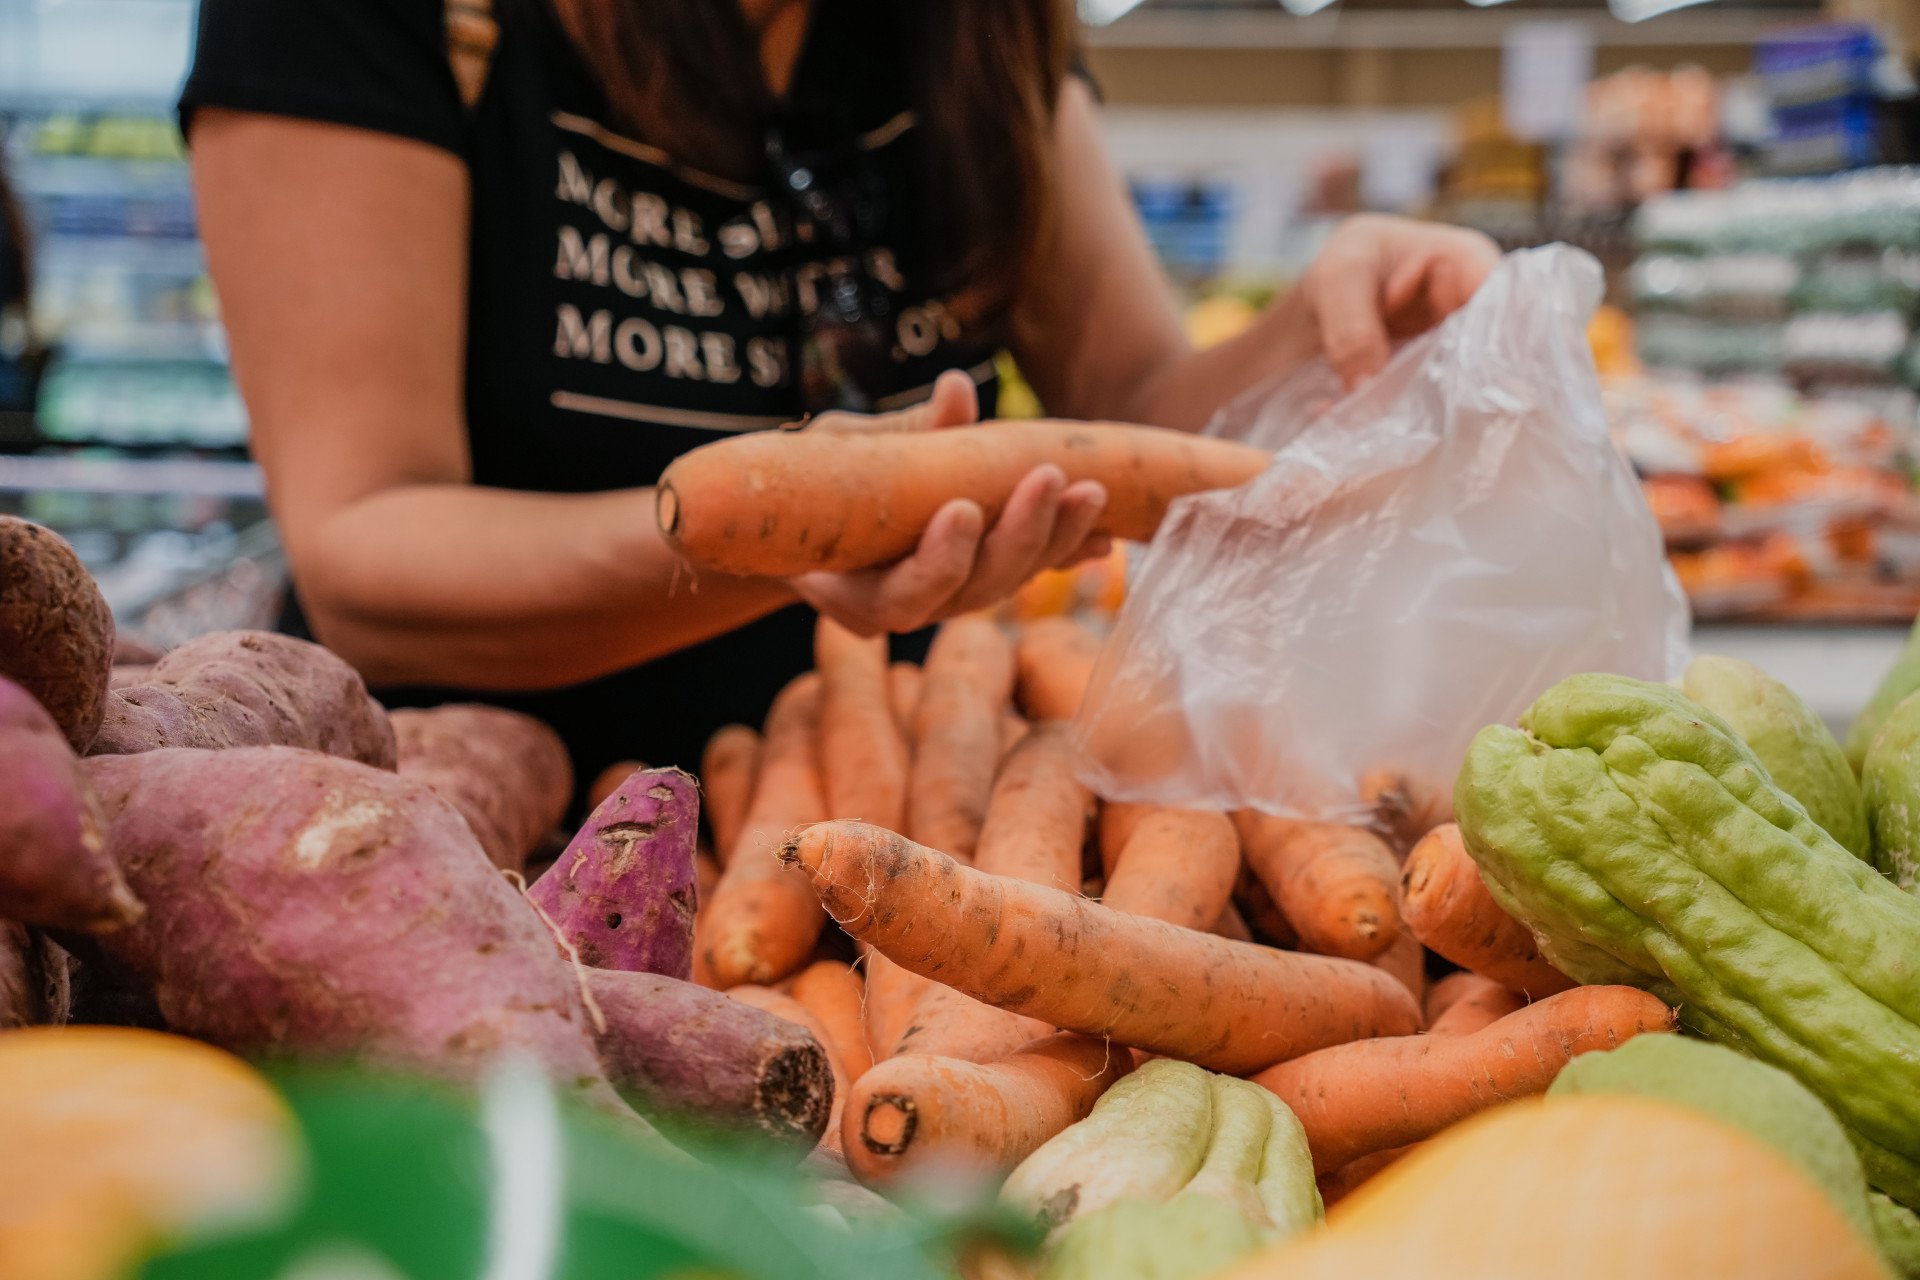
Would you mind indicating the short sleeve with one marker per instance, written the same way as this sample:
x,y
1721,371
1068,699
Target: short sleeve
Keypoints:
x,y
371,64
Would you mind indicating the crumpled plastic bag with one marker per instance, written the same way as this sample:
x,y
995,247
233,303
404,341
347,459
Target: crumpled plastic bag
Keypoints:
x,y
1422,559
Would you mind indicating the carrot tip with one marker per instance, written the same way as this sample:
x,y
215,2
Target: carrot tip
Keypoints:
x,y
666,509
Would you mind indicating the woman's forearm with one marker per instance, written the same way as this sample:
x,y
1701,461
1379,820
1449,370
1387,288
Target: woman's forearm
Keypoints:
x,y
1185,389
498,589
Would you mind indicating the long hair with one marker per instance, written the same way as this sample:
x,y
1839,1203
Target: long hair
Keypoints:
x,y
986,74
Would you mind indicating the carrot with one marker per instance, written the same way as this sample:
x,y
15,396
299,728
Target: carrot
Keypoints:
x,y
1478,1002
1233,925
932,1116
1013,727
1455,986
956,734
608,781
728,770
1448,907
1403,811
1334,883
781,1005
863,758
1035,826
1117,821
833,993
1083,967
1256,908
1178,865
1406,960
1338,1184
762,922
706,877
1054,660
892,994
1355,1099
904,681
781,503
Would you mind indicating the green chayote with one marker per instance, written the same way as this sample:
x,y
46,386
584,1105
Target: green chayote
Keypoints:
x,y
1643,842
1902,679
1891,780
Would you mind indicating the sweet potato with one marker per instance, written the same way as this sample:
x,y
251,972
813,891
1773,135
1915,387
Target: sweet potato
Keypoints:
x,y
789,502
56,631
703,1059
54,866
508,774
126,676
781,1005
303,904
131,651
623,893
34,979
249,689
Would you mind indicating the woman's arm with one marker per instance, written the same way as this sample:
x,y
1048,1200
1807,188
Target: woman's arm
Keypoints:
x,y
1099,333
341,257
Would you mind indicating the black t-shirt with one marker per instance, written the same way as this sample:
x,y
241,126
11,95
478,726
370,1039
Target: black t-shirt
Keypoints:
x,y
623,307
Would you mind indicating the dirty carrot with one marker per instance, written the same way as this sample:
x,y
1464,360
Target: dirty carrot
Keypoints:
x,y
834,994
1054,660
1473,1003
968,678
728,769
1340,1183
1083,967
1448,907
787,502
1355,1099
904,681
1257,910
1232,924
1035,827
762,921
892,993
863,758
1177,865
1334,883
1403,811
946,1117
1406,960
1117,821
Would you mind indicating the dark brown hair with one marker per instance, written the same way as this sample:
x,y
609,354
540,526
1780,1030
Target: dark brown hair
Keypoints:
x,y
686,75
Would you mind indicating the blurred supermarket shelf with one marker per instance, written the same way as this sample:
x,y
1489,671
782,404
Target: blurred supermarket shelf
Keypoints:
x,y
192,477
1729,25
1834,668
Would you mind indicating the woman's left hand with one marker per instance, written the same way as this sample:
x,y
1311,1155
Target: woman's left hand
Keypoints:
x,y
1379,279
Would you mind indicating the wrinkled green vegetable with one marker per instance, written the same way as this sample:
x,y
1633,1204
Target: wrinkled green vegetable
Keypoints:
x,y
1794,743
1902,679
1897,1229
1643,842
1188,1237
1891,780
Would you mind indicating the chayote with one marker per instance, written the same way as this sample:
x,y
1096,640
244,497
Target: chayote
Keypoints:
x,y
1891,780
1643,842
1795,744
1902,679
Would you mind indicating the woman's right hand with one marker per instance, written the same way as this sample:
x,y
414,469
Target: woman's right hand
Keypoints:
x,y
960,564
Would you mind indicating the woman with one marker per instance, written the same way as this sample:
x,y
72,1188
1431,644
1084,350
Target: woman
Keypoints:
x,y
470,337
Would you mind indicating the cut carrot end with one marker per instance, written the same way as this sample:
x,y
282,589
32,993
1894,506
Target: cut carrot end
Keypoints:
x,y
666,509
888,1126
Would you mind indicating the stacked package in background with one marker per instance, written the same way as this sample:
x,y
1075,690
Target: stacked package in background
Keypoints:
x,y
1825,91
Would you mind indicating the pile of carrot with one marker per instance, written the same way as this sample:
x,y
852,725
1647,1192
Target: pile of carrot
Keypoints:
x,y
910,867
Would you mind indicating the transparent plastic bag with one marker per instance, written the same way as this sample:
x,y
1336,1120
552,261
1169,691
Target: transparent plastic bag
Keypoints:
x,y
1422,559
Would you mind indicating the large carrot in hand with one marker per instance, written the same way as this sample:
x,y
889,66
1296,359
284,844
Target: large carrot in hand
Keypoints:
x,y
1366,1097
1035,827
729,768
1177,865
863,758
1448,907
922,1114
1083,967
1054,663
966,681
1335,883
763,920
780,503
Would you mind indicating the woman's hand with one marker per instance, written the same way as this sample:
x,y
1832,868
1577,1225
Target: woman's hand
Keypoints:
x,y
1381,278
961,564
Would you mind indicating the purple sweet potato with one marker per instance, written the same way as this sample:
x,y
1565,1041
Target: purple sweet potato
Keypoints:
x,y
132,651
309,906
56,631
34,990
54,866
126,676
704,1059
508,774
249,689
623,892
